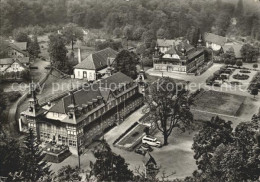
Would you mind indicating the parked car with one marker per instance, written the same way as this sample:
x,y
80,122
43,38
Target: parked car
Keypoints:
x,y
140,151
146,147
152,141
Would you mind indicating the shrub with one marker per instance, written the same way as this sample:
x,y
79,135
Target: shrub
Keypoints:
x,y
244,71
13,96
240,77
147,62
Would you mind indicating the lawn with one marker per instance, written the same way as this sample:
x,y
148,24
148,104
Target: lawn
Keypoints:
x,y
218,102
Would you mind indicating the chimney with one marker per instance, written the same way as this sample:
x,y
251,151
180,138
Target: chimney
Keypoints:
x,y
79,55
108,61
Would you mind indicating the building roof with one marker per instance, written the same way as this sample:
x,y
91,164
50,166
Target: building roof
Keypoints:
x,y
97,60
91,93
18,47
216,39
167,42
9,61
21,45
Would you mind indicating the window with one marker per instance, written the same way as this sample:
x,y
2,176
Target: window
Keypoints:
x,y
70,142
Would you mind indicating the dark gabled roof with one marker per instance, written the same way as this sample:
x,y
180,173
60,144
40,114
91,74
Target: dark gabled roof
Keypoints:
x,y
171,51
8,61
87,94
216,39
97,60
21,45
167,42
17,48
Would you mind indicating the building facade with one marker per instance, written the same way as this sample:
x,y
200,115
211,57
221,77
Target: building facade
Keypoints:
x,y
94,64
81,116
182,57
215,42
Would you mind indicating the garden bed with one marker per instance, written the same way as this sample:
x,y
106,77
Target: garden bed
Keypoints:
x,y
240,77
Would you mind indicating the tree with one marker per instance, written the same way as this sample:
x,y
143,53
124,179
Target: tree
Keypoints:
x,y
138,32
72,33
239,63
21,36
33,165
116,45
226,155
10,152
163,33
239,9
3,48
229,56
249,53
58,52
109,166
232,62
126,62
168,106
128,32
117,32
148,36
34,47
68,173
255,65
254,91
210,136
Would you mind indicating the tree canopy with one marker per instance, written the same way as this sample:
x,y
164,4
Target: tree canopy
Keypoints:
x,y
168,106
126,62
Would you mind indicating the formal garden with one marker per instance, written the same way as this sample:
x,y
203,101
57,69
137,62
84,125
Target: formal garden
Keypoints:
x,y
231,75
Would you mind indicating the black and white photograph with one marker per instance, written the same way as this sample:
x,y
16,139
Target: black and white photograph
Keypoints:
x,y
129,90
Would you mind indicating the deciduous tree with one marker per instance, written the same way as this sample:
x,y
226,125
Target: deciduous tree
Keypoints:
x,y
126,62
72,33
168,106
109,166
249,53
58,52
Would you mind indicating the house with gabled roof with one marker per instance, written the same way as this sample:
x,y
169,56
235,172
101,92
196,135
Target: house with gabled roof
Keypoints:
x,y
166,44
83,114
18,49
214,42
14,64
95,63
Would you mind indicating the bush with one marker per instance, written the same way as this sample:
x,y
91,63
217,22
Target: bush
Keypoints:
x,y
240,77
244,71
13,96
147,62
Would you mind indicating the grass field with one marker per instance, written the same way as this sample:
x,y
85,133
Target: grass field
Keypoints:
x,y
219,102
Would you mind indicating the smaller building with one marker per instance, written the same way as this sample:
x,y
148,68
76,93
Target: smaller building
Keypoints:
x,y
95,64
215,42
181,57
166,44
14,64
18,50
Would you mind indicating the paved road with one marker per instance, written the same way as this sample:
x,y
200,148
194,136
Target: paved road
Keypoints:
x,y
37,75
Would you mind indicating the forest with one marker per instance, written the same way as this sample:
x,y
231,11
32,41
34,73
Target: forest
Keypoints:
x,y
136,19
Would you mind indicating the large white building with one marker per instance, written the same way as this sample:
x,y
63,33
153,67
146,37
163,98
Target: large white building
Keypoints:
x,y
94,64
